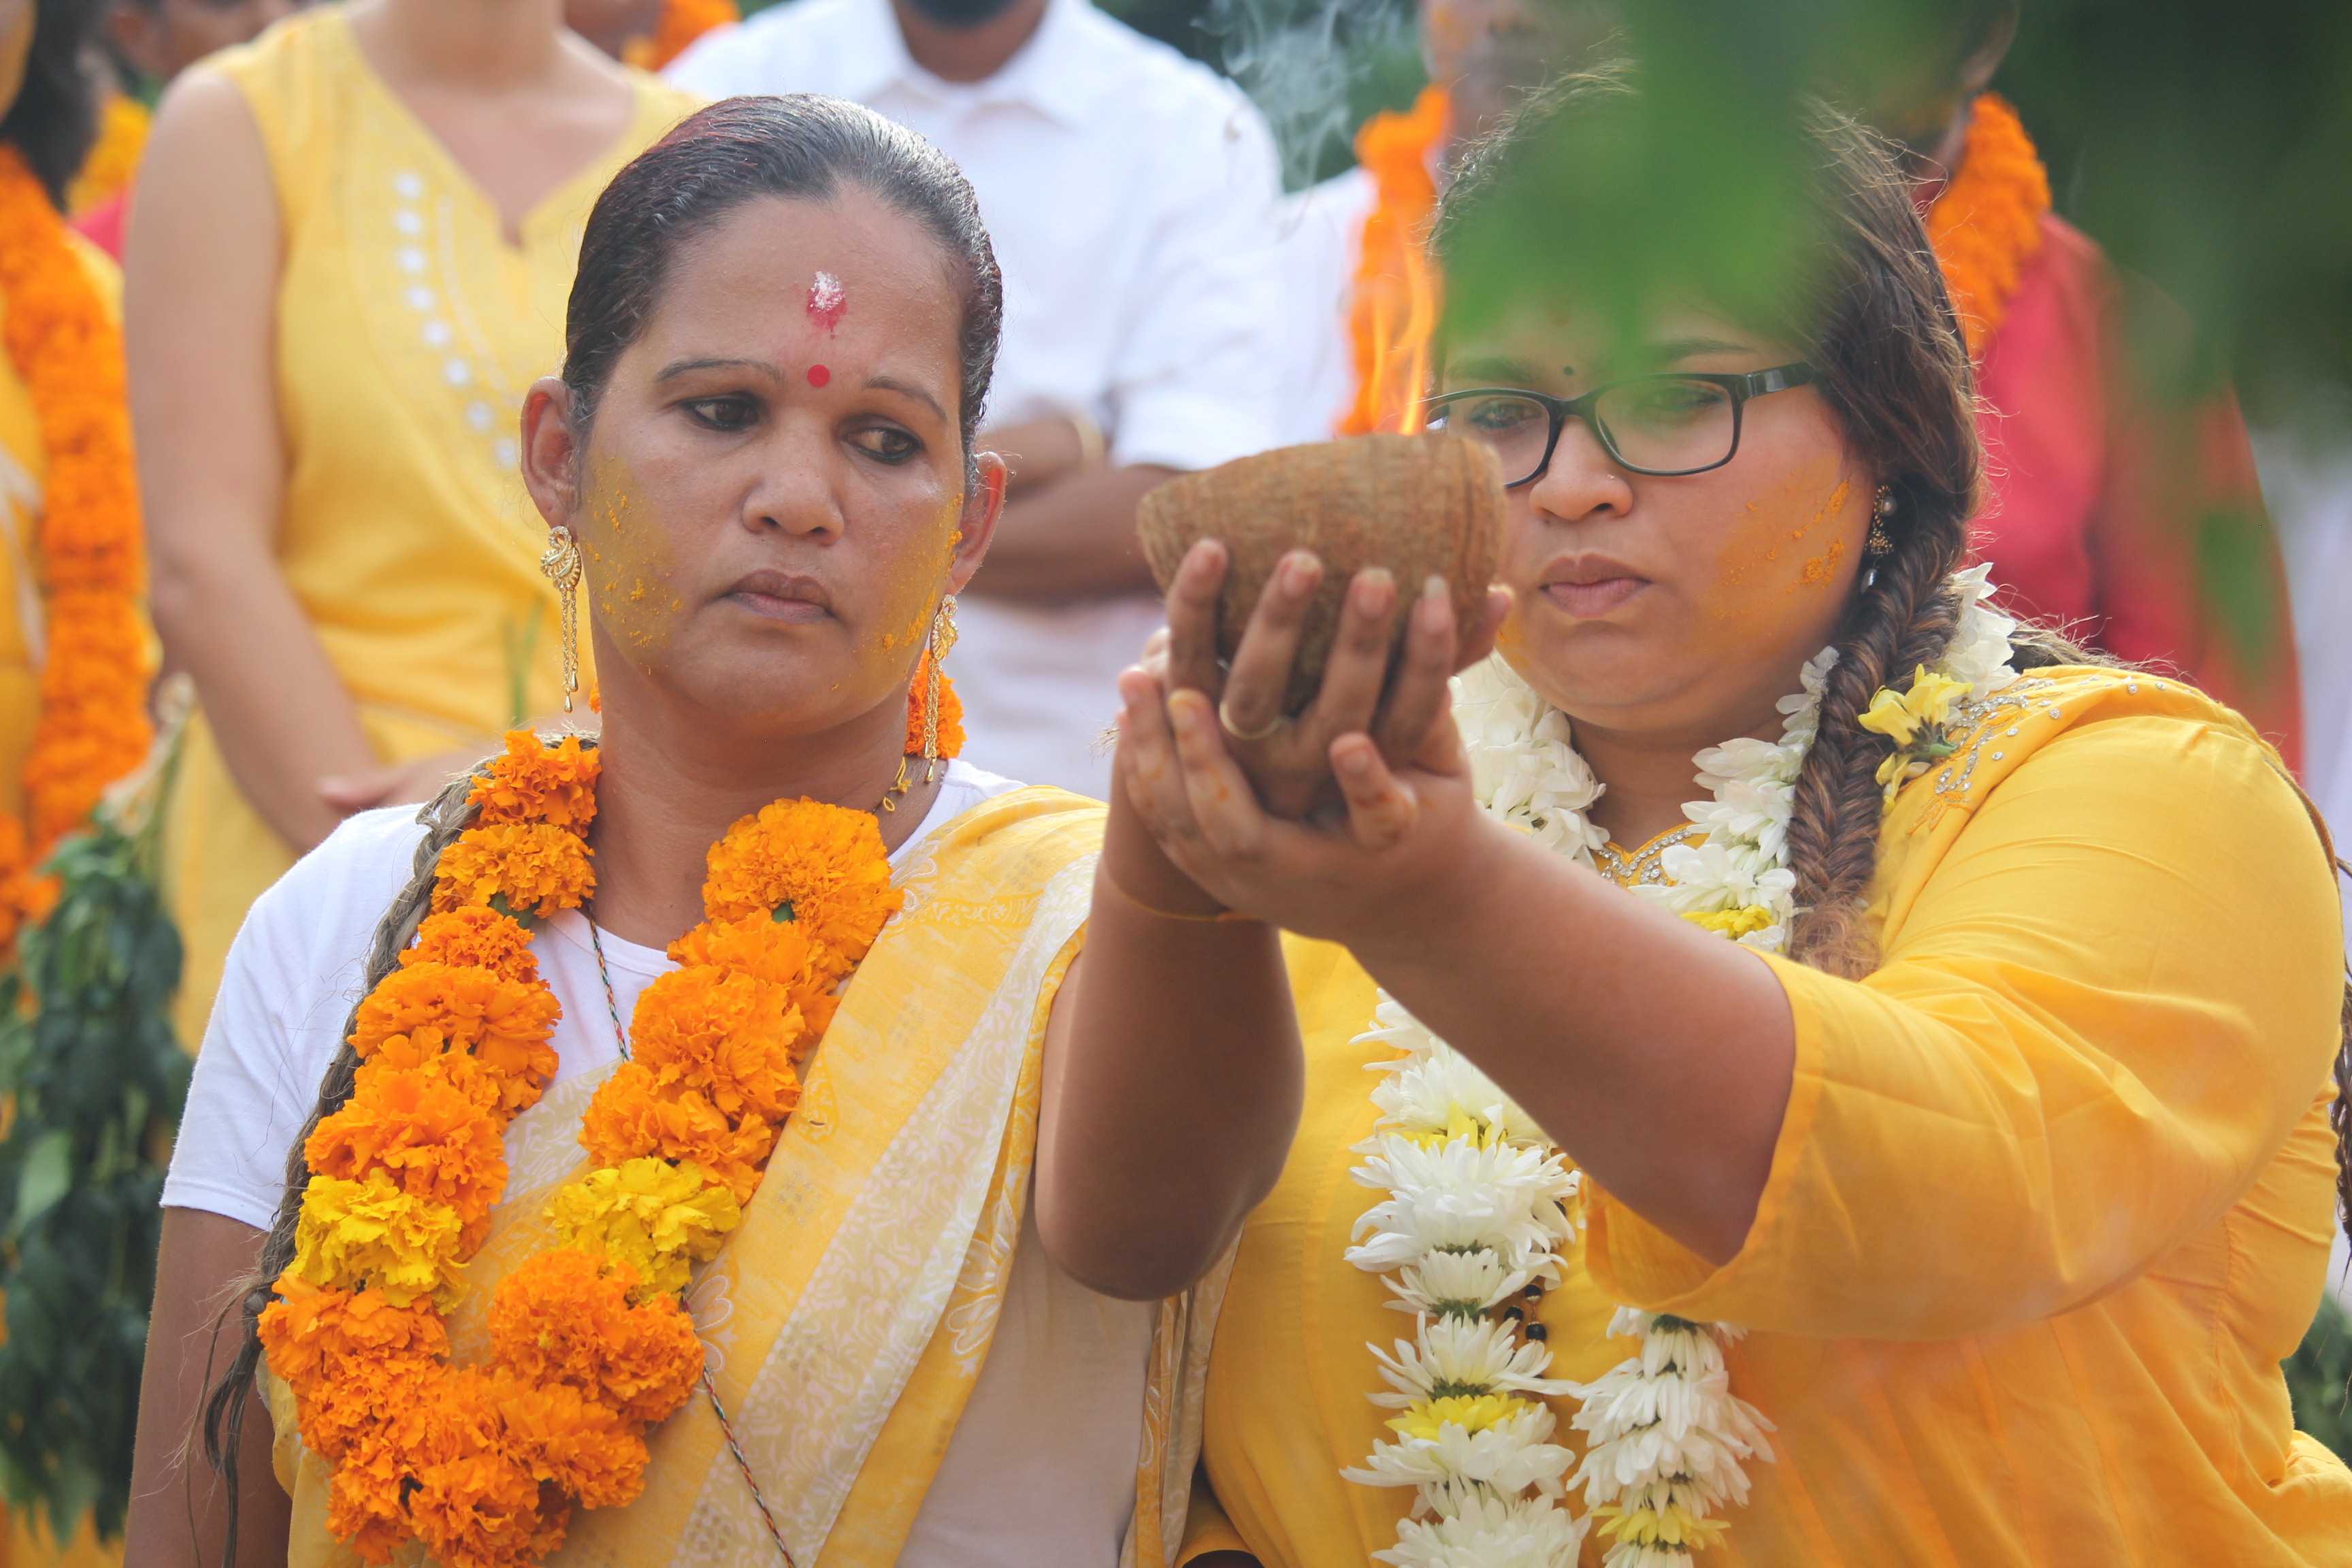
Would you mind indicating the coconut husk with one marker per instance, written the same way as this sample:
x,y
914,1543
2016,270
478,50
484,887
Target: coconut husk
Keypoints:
x,y
1419,505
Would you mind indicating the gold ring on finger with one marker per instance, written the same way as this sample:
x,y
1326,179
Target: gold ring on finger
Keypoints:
x,y
1225,718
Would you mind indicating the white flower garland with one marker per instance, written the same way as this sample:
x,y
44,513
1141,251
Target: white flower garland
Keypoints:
x,y
1477,1205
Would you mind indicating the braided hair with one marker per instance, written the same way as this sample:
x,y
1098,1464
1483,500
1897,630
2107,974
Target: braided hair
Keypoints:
x,y
1861,294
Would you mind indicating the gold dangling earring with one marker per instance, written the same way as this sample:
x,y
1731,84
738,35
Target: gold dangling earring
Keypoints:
x,y
1878,544
944,639
561,563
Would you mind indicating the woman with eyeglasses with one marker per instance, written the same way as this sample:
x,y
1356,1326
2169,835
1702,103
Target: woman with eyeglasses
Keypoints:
x,y
1849,1075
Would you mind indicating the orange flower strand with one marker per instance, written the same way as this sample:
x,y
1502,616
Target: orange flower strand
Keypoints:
x,y
432,1140
93,727
728,1036
475,937
1985,223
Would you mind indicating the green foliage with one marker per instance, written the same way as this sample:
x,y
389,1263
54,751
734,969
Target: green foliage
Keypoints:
x,y
97,1081
2318,1376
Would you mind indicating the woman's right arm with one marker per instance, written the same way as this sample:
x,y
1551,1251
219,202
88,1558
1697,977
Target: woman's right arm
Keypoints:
x,y
200,298
179,1506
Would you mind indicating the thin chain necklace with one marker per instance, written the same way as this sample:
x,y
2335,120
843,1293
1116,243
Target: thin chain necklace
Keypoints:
x,y
888,802
710,1388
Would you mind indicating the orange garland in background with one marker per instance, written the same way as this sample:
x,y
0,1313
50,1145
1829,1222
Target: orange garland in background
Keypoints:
x,y
682,22
1985,223
93,726
1393,313
113,159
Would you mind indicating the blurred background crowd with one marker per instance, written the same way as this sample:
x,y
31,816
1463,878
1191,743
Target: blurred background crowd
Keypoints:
x,y
339,252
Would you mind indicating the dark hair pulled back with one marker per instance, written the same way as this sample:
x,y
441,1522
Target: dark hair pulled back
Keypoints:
x,y
53,120
1866,307
804,147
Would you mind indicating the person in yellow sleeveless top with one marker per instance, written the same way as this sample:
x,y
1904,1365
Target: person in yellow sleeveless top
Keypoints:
x,y
353,240
1929,1162
882,1247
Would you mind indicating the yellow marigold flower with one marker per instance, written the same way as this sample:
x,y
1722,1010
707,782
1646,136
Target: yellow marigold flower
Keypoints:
x,y
531,866
823,864
354,1234
657,1217
1732,923
534,781
1471,1412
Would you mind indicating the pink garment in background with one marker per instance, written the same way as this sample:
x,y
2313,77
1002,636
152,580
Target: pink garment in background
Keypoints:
x,y
2141,527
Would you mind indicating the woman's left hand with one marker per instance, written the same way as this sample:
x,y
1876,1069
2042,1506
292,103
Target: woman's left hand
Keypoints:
x,y
1410,833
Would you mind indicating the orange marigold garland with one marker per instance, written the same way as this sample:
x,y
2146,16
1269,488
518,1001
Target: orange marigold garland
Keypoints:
x,y
589,1345
681,22
1985,223
93,726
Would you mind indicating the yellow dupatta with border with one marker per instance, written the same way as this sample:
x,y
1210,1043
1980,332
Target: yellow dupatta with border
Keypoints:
x,y
848,1317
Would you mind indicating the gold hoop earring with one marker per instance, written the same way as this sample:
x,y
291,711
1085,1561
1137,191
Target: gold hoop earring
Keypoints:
x,y
942,640
561,563
1879,544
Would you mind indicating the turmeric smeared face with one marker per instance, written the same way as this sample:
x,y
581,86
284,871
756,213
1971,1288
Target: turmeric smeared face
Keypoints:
x,y
1665,605
773,495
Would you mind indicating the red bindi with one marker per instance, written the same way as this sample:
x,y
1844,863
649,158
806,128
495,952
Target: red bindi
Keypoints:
x,y
819,375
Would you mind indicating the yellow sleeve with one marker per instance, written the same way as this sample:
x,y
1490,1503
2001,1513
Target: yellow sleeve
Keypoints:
x,y
2098,1018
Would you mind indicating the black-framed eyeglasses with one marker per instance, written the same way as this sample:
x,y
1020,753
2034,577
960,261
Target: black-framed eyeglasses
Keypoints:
x,y
1665,426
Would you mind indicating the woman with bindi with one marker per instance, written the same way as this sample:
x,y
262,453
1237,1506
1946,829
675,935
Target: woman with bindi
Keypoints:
x,y
1851,1074
709,1127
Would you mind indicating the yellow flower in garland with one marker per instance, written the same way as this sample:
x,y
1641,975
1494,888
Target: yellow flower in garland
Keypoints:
x,y
658,1219
1913,720
1471,1412
1734,924
369,1233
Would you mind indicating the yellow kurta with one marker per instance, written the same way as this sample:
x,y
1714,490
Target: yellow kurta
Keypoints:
x,y
2052,1198
408,329
849,1315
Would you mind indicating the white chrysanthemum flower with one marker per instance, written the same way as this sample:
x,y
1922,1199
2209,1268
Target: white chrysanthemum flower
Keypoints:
x,y
1666,1416
1979,651
1460,1196
1524,766
1451,1356
1422,1090
1464,1284
1483,1530
1712,875
1511,1457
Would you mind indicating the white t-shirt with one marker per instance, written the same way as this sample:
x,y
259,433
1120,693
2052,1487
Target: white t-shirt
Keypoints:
x,y
1041,1467
1130,196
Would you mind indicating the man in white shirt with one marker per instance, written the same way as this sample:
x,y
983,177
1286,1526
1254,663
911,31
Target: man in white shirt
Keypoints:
x,y
1130,194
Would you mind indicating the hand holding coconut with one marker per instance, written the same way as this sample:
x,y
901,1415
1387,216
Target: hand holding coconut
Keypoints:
x,y
1320,592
